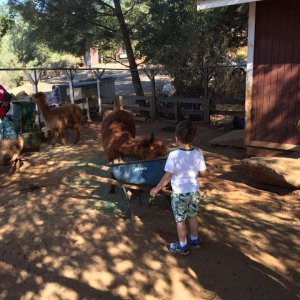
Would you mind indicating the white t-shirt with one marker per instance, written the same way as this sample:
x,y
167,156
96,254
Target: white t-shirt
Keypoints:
x,y
185,166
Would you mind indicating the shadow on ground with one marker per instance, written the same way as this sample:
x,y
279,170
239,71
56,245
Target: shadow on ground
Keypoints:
x,y
63,237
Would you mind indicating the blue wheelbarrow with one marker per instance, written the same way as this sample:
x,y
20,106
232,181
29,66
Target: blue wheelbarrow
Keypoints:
x,y
143,172
137,177
134,178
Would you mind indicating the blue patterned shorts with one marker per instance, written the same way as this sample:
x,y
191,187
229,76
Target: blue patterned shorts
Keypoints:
x,y
185,206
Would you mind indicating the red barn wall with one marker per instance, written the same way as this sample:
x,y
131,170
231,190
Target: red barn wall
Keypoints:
x,y
275,105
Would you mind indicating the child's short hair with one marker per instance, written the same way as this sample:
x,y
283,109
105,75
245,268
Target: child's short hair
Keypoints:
x,y
185,131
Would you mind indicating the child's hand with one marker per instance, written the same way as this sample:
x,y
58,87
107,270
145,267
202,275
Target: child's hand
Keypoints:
x,y
211,170
154,192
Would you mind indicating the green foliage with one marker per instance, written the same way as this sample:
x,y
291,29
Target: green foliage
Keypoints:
x,y
6,22
58,60
169,33
185,40
18,51
28,53
74,26
67,26
239,55
9,60
178,35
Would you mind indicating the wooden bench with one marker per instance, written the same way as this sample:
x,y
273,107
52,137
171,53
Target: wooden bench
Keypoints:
x,y
227,112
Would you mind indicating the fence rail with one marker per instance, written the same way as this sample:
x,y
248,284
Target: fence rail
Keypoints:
x,y
210,83
169,105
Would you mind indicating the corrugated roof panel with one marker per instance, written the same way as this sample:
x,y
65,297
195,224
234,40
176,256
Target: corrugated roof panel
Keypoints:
x,y
205,4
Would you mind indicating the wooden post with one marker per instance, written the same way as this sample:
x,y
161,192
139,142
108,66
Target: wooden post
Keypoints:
x,y
121,102
206,111
206,75
88,109
176,110
116,105
99,75
153,102
249,75
71,74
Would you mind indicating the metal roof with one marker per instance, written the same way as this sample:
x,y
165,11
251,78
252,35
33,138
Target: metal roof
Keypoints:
x,y
205,4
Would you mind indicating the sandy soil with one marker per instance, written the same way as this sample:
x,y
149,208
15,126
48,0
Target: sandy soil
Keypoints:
x,y
63,237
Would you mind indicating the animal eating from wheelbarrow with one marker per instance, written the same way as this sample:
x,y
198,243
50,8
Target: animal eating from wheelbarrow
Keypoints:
x,y
121,144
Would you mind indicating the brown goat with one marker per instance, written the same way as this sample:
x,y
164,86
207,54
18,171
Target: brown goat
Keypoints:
x,y
58,118
116,126
10,150
119,142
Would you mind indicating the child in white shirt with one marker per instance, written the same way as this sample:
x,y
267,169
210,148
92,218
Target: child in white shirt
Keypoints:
x,y
182,168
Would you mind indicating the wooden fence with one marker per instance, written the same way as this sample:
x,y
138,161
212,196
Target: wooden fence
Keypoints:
x,y
200,108
177,108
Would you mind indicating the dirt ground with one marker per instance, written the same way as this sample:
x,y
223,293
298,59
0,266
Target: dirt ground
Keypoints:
x,y
63,237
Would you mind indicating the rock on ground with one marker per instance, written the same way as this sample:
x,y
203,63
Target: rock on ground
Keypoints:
x,y
280,171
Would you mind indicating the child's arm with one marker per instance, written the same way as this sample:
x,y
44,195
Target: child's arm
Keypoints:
x,y
203,173
207,172
163,182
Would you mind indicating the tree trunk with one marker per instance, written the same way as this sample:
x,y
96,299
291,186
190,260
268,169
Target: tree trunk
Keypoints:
x,y
127,43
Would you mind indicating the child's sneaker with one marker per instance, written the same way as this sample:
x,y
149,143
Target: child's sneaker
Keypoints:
x,y
177,248
195,244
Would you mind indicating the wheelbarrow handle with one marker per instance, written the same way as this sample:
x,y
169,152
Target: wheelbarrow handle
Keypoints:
x,y
150,201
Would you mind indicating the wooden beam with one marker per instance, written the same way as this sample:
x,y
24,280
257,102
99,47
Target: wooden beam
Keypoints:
x,y
133,97
168,110
189,111
249,75
228,112
183,100
274,145
227,101
121,102
137,108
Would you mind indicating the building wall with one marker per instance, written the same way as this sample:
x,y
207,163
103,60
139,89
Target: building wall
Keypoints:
x,y
94,57
275,103
91,57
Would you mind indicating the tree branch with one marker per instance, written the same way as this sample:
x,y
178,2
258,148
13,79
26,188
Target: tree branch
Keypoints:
x,y
112,58
130,9
139,21
77,16
107,5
